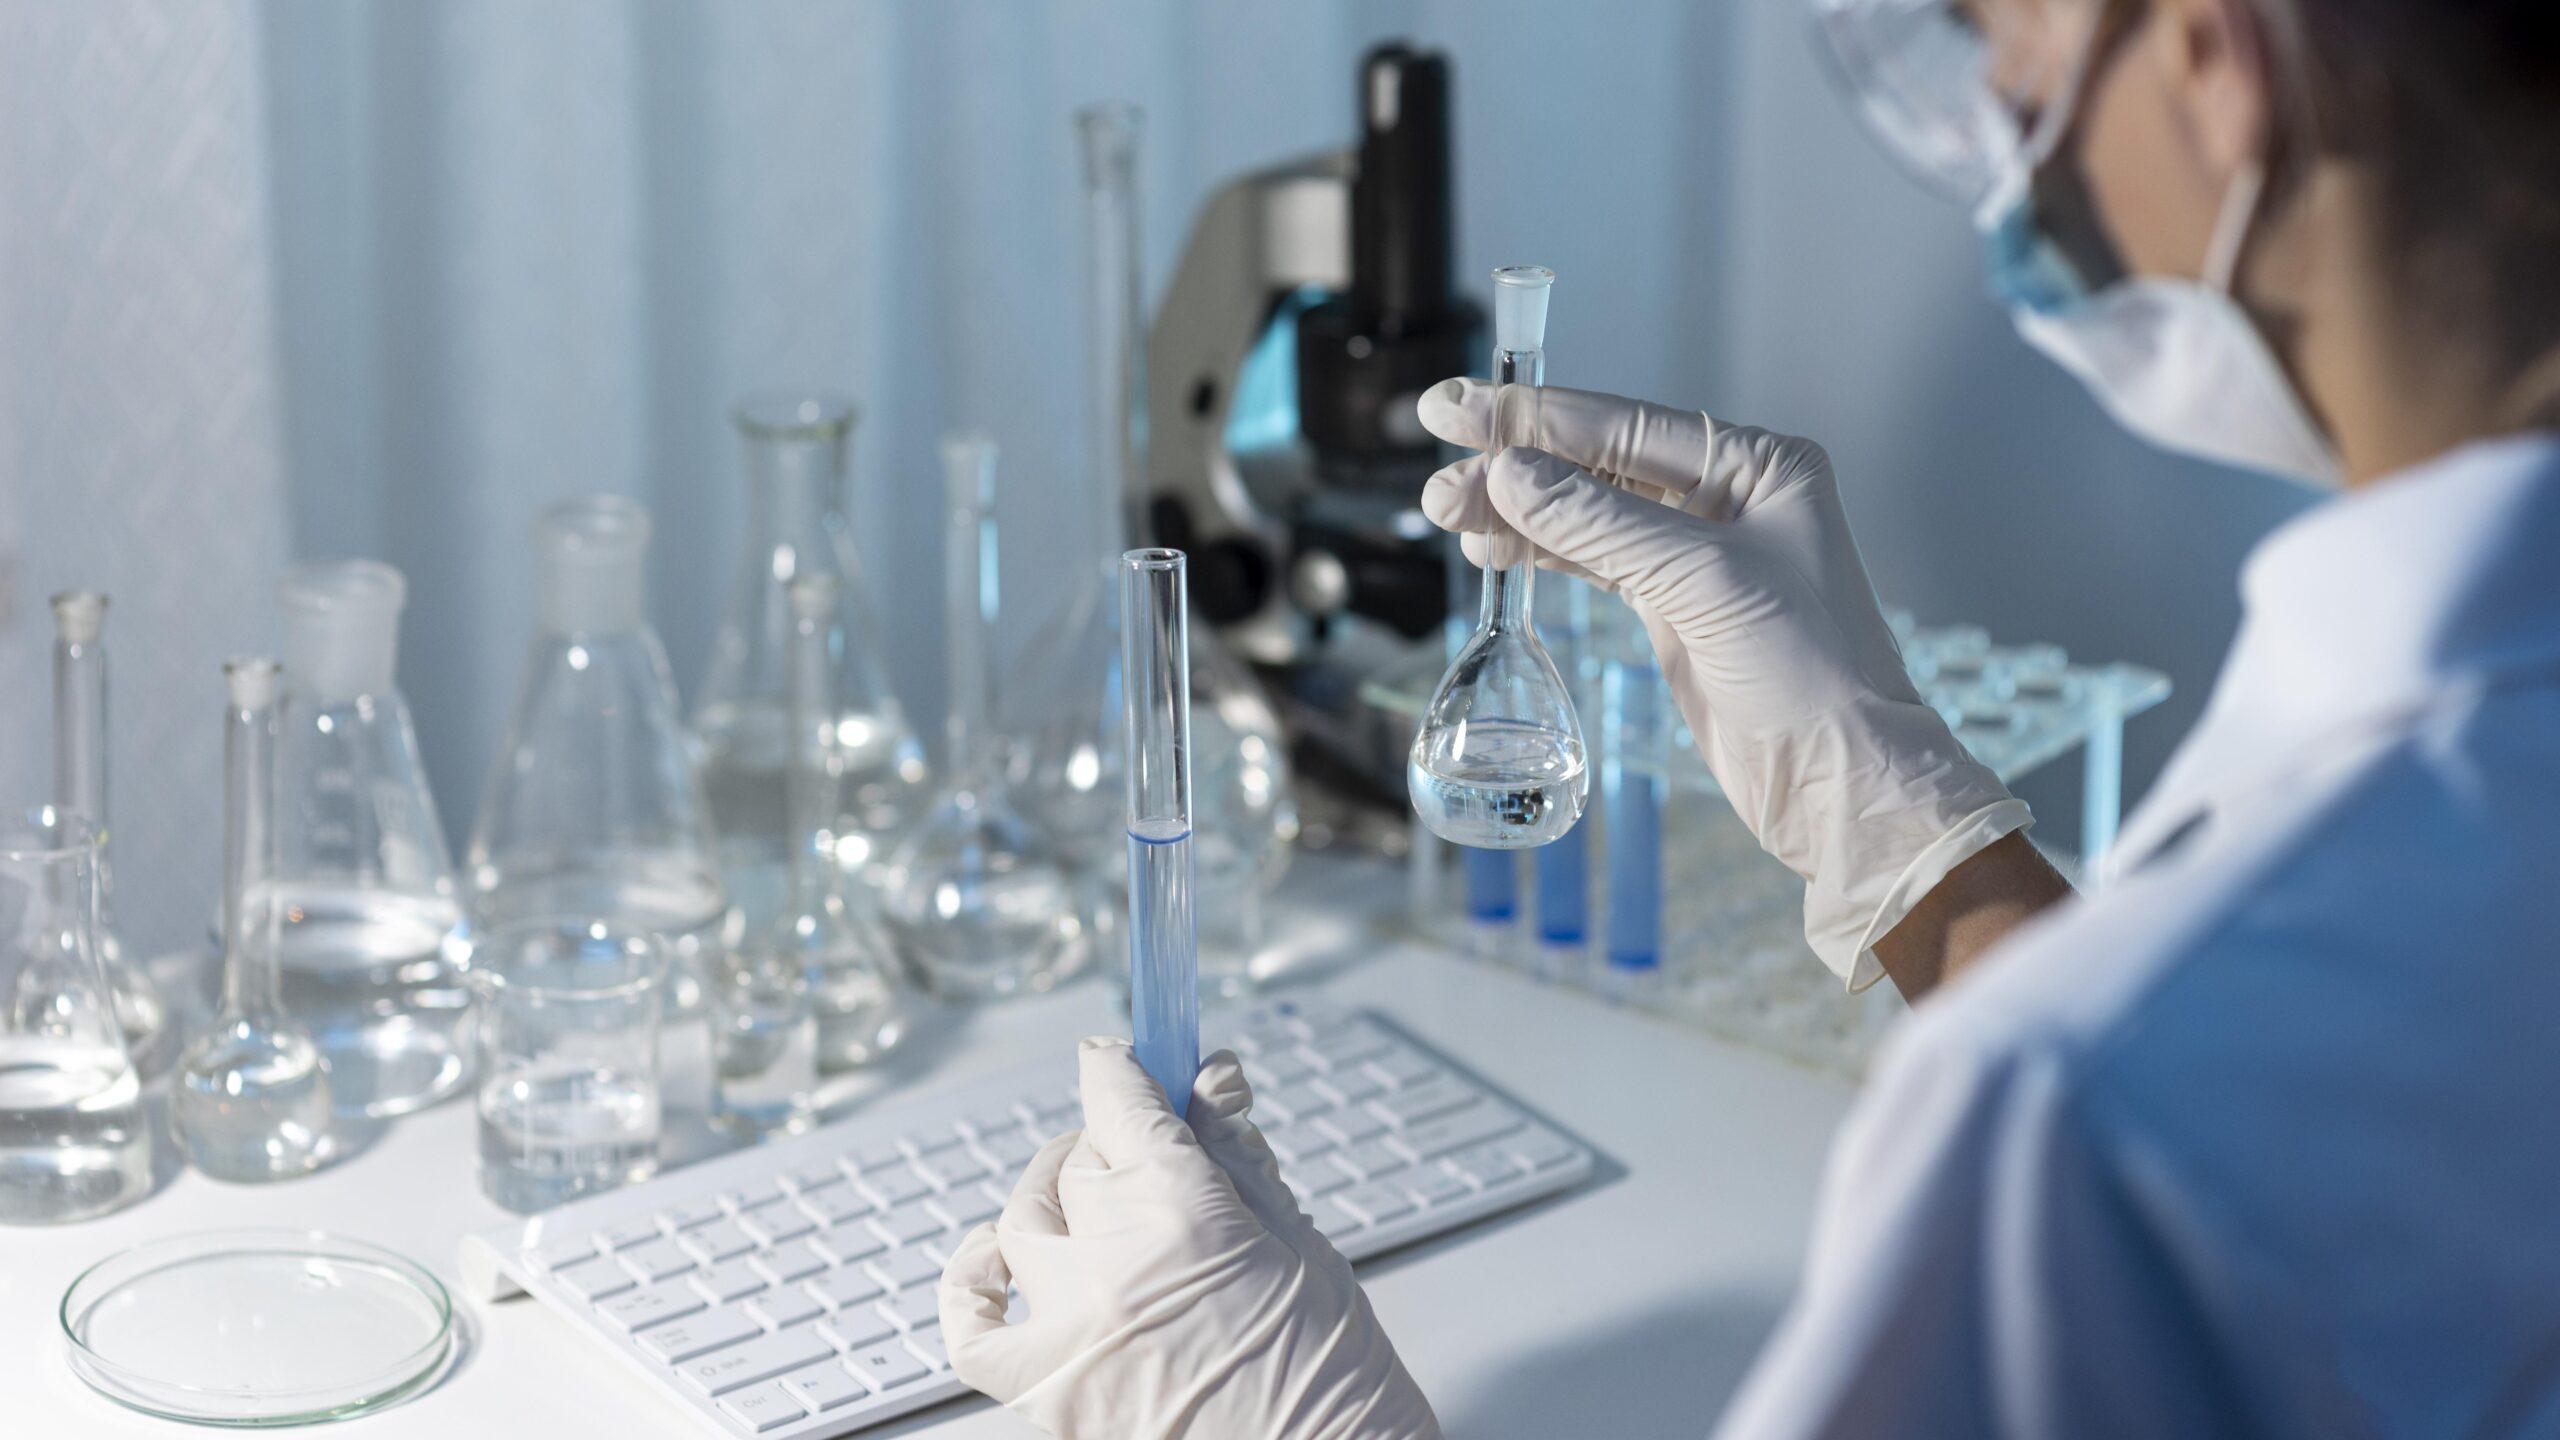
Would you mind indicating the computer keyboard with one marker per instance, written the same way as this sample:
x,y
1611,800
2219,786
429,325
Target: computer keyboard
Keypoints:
x,y
788,1292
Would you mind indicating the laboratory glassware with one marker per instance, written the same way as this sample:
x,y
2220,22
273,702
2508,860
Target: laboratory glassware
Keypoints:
x,y
257,1327
979,900
569,1010
369,940
1635,762
1561,869
796,449
1498,762
253,1097
1068,767
73,1139
594,806
1164,962
80,785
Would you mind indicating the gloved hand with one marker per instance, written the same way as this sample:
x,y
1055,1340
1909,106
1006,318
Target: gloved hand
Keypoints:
x,y
1731,546
1173,1287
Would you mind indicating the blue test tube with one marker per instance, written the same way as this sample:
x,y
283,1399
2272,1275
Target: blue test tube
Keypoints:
x,y
1164,956
1561,869
1633,785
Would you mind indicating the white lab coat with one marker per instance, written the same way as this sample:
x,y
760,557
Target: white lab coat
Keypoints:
x,y
2259,1139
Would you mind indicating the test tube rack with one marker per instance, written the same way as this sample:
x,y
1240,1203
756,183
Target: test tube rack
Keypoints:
x,y
1734,961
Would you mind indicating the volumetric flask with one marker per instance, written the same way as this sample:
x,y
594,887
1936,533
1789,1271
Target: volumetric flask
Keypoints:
x,y
80,786
569,1099
795,449
73,1140
369,919
593,805
980,900
1499,760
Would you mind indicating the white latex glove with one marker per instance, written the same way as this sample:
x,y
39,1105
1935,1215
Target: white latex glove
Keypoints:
x,y
1731,546
1173,1287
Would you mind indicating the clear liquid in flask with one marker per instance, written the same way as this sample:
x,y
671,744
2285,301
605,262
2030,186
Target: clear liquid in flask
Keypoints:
x,y
1508,786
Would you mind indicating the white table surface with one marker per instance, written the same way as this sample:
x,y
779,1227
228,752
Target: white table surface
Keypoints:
x,y
1627,1308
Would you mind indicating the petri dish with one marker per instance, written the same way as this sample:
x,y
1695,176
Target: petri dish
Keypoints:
x,y
257,1327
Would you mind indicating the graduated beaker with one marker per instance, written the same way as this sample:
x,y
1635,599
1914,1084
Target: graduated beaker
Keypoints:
x,y
568,1028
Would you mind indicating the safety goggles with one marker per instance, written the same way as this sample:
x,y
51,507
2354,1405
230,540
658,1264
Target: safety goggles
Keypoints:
x,y
1964,92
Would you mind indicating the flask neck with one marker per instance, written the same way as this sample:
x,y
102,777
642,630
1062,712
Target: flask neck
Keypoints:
x,y
248,844
811,799
1507,592
80,730
795,489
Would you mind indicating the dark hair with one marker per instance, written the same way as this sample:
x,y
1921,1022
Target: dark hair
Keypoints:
x,y
2455,104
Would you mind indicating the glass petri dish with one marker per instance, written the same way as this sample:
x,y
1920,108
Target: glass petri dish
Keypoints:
x,y
257,1327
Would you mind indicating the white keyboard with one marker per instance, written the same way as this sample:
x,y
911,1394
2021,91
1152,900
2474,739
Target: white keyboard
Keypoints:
x,y
789,1291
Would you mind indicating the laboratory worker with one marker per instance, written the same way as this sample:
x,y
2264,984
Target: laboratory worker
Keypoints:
x,y
2254,1138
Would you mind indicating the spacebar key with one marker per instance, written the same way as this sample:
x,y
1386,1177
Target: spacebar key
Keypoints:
x,y
759,1359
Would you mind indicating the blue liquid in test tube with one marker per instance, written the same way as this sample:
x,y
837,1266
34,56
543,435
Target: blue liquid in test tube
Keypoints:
x,y
1164,955
1632,790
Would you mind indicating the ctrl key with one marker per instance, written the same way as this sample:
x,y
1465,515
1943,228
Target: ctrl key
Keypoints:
x,y
764,1407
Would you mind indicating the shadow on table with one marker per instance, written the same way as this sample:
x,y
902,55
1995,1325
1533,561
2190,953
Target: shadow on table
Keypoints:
x,y
1668,1373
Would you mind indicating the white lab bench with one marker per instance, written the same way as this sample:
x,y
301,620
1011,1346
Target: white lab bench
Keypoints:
x,y
1628,1307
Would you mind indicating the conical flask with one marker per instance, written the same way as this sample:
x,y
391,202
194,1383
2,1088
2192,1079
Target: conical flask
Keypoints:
x,y
80,786
831,940
979,898
593,806
795,449
370,938
252,1100
1499,760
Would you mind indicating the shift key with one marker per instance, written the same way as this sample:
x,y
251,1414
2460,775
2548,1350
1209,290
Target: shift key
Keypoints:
x,y
744,1364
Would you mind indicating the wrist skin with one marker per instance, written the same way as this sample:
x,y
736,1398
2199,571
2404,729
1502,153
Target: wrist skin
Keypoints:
x,y
1979,901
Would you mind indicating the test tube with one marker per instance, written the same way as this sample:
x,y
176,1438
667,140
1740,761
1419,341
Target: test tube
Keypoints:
x,y
1632,790
1164,959
1561,868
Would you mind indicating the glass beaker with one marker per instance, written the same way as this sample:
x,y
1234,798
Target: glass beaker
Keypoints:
x,y
594,806
80,786
73,1140
979,899
569,1009
796,448
252,1101
369,938
1498,762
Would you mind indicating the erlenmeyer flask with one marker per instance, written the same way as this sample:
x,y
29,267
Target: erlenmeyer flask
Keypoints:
x,y
73,1139
1499,762
80,786
369,942
979,899
593,806
252,1101
795,456
831,942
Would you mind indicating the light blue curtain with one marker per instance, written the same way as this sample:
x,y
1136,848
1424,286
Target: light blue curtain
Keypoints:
x,y
386,278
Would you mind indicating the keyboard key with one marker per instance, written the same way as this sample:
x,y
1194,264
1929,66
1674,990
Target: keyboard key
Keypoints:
x,y
836,1204
1275,1069
915,1309
847,1243
657,1260
908,1224
592,1280
1433,1186
1335,1221
931,1143
1319,1176
716,1242
1473,1125
927,1345
851,1285
1344,1046
1008,1152
878,1155
782,1309
1401,1068
686,1214
825,1386
1301,1142
1484,1166
887,1366
1350,1087
1300,1103
1353,1125
1377,1203
729,1280
902,1268
701,1334
765,1407
967,1207
988,1120
785,1263
753,1196
564,1252
893,1186
857,1329
656,1305
951,1167
815,1175
777,1223
1540,1150
617,1234
1424,1101
749,1361
1373,1159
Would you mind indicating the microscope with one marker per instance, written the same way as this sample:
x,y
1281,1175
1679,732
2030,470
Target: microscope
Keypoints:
x,y
1311,308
